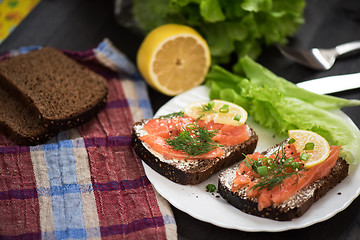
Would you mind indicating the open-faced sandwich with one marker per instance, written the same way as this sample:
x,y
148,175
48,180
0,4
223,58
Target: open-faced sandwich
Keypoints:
x,y
283,182
189,146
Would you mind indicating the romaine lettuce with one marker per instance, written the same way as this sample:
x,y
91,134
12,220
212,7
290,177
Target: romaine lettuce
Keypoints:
x,y
275,103
261,76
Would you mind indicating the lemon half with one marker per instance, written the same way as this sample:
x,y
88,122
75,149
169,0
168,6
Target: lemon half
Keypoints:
x,y
321,147
173,58
218,110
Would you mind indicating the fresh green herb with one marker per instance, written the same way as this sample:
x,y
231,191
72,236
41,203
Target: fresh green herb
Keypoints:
x,y
191,126
172,115
269,183
273,171
309,146
237,117
194,141
291,140
295,165
210,188
224,109
262,170
208,107
304,157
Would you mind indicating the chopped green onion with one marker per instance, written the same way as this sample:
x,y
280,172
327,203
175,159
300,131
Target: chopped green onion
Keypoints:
x,y
295,165
262,170
309,146
288,161
269,161
184,134
237,117
273,166
304,157
210,188
291,140
211,104
191,126
224,109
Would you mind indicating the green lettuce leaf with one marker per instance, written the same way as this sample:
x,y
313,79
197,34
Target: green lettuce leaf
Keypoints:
x,y
211,11
275,106
261,76
231,27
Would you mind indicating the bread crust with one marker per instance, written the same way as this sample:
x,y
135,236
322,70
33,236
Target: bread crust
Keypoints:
x,y
19,124
294,207
191,172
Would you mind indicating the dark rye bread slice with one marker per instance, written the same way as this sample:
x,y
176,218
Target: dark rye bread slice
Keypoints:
x,y
61,92
190,172
294,207
19,124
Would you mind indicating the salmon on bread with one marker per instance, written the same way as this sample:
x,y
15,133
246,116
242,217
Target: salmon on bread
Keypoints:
x,y
286,189
189,150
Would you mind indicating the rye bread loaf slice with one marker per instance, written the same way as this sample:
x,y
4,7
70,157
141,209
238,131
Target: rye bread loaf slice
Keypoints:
x,y
19,124
190,172
61,92
294,207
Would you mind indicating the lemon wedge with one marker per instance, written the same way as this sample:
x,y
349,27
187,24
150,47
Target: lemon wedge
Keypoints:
x,y
173,58
315,147
218,110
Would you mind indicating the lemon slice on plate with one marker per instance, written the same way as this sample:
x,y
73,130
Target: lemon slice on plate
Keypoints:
x,y
173,58
218,110
315,147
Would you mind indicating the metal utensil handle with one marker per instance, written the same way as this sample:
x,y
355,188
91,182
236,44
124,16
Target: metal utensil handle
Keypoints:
x,y
347,47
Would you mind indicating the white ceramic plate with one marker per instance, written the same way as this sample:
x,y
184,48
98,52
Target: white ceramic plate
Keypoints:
x,y
211,208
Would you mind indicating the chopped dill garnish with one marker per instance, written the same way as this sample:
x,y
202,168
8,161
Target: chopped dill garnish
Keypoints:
x,y
194,141
173,115
276,169
208,107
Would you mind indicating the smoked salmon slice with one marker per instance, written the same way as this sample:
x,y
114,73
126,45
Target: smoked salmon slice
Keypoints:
x,y
247,178
158,130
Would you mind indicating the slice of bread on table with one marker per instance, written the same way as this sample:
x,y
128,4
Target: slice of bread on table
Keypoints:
x,y
19,123
56,90
59,90
294,207
190,172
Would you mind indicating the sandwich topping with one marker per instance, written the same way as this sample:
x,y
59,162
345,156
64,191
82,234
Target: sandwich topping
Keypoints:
x,y
180,136
274,178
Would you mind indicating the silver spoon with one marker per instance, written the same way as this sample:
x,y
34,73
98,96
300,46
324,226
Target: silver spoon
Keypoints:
x,y
317,58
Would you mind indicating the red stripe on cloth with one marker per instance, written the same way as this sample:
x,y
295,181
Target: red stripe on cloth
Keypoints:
x,y
107,141
124,212
19,207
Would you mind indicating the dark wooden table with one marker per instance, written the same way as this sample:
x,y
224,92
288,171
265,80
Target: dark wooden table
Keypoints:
x,y
82,24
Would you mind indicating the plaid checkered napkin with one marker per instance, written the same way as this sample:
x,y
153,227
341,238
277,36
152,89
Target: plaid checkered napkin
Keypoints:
x,y
86,183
